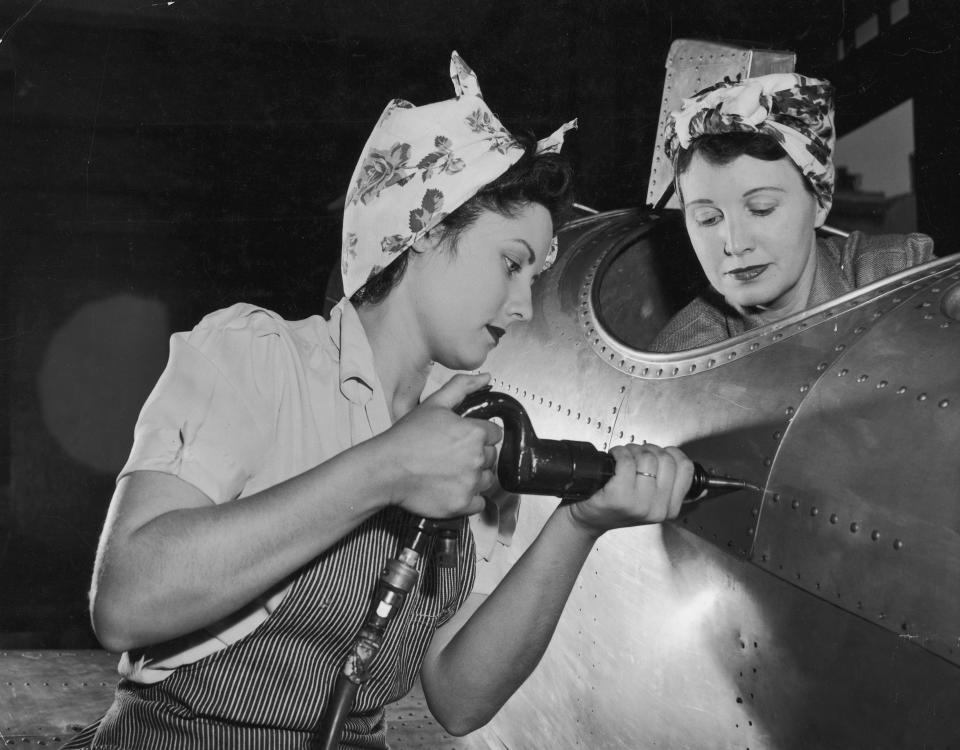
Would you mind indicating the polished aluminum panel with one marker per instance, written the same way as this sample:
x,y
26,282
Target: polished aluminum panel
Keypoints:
x,y
723,629
865,507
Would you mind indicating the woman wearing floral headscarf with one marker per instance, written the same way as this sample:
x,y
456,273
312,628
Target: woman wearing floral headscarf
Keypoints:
x,y
753,167
275,464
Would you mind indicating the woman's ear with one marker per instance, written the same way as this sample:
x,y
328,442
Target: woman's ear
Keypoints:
x,y
821,215
430,240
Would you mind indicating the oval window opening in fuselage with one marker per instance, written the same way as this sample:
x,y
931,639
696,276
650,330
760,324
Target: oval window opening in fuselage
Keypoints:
x,y
643,284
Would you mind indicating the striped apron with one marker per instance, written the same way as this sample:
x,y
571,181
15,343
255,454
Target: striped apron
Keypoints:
x,y
268,691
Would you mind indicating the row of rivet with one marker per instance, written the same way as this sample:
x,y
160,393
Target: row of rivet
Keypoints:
x,y
647,371
503,385
881,615
942,403
62,684
765,557
834,519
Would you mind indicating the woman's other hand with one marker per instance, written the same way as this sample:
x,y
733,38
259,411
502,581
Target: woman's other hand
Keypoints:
x,y
648,486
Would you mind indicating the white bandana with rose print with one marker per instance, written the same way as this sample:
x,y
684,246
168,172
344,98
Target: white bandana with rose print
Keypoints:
x,y
418,165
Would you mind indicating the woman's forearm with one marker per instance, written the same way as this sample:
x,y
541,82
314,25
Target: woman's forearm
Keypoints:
x,y
468,677
170,561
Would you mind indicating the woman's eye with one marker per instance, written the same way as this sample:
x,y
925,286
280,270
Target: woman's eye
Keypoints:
x,y
512,266
708,220
762,210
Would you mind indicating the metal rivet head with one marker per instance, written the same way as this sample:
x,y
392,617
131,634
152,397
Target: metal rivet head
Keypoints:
x,y
897,544
854,527
839,347
814,511
922,397
863,378
834,518
776,497
843,372
902,389
804,388
944,404
777,435
789,411
882,384
795,504
875,535
767,461
821,367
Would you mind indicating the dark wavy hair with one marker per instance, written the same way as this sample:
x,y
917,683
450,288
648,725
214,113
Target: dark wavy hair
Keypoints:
x,y
720,149
545,178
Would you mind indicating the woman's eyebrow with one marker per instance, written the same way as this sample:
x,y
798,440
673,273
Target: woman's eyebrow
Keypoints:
x,y
531,256
762,188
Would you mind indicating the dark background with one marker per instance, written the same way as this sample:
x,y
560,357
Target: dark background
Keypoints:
x,y
163,159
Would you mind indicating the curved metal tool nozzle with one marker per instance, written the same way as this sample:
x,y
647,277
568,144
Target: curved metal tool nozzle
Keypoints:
x,y
706,485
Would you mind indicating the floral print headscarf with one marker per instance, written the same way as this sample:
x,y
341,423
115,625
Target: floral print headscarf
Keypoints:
x,y
419,164
795,110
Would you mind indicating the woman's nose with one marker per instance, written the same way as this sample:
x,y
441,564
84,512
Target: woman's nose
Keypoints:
x,y
736,241
521,303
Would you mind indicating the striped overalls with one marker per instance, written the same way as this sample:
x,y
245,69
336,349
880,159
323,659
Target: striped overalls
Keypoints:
x,y
268,690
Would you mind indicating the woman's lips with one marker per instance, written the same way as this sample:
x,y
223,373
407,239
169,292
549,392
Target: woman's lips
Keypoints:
x,y
496,333
748,273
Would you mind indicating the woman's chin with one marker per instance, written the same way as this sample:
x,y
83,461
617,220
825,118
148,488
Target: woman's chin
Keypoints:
x,y
464,361
743,297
